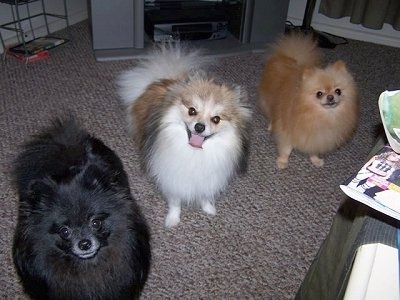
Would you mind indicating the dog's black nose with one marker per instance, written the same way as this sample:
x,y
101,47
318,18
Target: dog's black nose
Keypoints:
x,y
85,244
199,127
330,98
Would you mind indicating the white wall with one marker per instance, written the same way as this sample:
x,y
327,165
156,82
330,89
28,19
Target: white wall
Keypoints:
x,y
342,27
77,11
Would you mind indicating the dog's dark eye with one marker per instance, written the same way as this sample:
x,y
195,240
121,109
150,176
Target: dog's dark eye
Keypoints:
x,y
64,232
338,92
216,119
192,111
319,94
96,224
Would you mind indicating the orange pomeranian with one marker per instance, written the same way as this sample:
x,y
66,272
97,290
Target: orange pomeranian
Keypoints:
x,y
309,108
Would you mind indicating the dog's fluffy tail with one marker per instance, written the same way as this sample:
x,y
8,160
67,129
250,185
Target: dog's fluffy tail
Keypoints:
x,y
168,61
300,47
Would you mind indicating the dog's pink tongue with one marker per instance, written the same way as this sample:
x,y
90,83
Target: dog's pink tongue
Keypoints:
x,y
196,140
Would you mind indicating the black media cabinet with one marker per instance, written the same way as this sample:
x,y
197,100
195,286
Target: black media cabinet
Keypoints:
x,y
118,28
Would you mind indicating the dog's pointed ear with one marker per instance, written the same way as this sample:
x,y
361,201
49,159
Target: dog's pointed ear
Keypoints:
x,y
39,193
242,101
94,176
307,73
242,96
196,73
41,187
339,65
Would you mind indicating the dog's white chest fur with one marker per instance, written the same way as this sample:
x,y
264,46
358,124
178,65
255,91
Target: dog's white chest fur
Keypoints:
x,y
189,175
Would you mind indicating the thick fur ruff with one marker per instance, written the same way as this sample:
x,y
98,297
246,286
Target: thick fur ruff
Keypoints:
x,y
191,130
310,108
80,233
172,62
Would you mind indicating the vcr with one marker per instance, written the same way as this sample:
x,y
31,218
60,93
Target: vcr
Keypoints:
x,y
185,24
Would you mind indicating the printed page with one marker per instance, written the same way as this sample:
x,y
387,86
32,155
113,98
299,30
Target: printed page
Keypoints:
x,y
377,183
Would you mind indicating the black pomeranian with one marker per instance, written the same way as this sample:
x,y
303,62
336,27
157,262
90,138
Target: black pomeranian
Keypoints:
x,y
80,233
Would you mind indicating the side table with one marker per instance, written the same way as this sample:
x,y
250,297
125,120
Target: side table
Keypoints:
x,y
16,23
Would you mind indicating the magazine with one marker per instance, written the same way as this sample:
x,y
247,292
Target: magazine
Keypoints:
x,y
38,45
389,108
377,183
29,58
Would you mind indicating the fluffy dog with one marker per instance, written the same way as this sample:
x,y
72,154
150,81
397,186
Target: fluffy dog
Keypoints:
x,y
192,131
80,233
312,109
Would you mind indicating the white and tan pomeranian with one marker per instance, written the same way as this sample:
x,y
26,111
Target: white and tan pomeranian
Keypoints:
x,y
191,130
310,108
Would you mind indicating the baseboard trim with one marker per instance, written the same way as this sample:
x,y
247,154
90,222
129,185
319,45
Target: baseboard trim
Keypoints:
x,y
356,32
360,35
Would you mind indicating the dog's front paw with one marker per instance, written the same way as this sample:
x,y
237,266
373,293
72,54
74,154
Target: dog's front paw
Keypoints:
x,y
208,208
172,221
282,163
316,161
173,217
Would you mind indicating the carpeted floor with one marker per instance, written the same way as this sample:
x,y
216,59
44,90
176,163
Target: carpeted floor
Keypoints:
x,y
269,223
